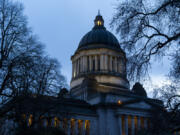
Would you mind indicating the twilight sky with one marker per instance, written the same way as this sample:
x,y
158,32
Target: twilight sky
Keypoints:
x,y
60,24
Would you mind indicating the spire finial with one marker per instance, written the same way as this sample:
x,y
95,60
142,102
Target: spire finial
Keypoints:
x,y
99,12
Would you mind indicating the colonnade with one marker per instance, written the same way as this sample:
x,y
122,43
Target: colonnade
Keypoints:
x,y
129,125
98,63
69,126
177,133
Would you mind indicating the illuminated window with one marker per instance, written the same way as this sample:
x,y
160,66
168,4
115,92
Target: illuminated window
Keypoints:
x,y
30,120
56,122
119,102
80,125
99,23
87,127
72,126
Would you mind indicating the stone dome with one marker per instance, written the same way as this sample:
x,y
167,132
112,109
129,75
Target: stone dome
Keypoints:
x,y
99,56
99,37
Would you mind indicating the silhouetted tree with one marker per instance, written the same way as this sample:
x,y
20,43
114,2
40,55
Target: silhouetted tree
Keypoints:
x,y
25,70
150,30
147,30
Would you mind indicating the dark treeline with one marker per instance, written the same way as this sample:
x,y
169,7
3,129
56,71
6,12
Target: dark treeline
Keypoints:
x,y
25,69
149,31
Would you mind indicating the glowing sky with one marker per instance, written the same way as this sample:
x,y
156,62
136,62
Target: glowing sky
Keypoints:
x,y
60,24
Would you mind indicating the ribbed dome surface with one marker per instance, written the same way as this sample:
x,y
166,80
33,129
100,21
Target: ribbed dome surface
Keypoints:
x,y
99,37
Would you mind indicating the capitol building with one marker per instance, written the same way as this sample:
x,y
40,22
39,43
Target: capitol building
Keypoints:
x,y
99,79
100,101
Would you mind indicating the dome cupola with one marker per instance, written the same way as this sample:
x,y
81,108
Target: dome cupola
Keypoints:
x,y
99,22
99,37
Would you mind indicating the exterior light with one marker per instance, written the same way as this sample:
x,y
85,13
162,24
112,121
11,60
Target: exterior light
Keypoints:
x,y
119,102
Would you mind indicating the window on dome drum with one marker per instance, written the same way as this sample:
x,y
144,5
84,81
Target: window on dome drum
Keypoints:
x,y
79,63
109,63
113,64
87,63
76,67
93,63
98,59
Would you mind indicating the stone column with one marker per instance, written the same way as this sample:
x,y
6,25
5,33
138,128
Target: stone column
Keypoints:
x,y
145,123
96,63
119,67
61,124
72,69
106,62
115,64
102,62
80,64
68,127
139,122
132,126
85,64
126,124
110,63
120,124
90,63
83,128
76,127
77,67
